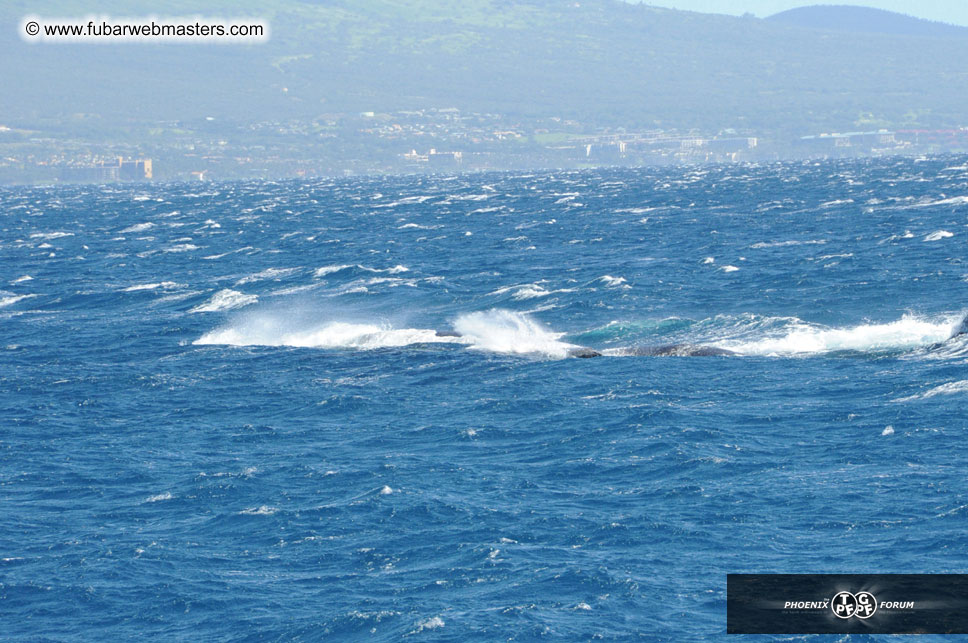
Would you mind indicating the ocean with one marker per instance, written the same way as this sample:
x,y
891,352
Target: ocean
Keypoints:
x,y
348,408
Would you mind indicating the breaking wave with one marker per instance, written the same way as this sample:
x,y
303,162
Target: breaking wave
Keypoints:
x,y
514,333
497,331
801,338
505,331
225,300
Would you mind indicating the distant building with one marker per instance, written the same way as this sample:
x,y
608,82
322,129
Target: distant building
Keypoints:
x,y
436,160
413,157
847,143
91,174
137,170
444,159
107,172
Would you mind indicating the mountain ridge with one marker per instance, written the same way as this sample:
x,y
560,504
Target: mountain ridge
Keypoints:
x,y
857,19
603,62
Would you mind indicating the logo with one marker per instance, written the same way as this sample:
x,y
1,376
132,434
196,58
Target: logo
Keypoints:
x,y
847,605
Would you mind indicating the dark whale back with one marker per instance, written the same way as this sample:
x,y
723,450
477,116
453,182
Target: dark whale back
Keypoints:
x,y
679,350
581,351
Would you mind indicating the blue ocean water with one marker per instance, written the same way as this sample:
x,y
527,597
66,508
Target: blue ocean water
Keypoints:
x,y
225,411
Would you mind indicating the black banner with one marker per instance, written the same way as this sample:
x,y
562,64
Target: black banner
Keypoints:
x,y
847,603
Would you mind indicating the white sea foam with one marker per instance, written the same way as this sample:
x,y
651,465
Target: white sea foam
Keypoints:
x,y
405,201
328,270
906,333
429,624
499,331
138,227
939,235
642,210
167,285
161,496
781,244
729,268
230,252
269,329
9,301
955,200
20,280
264,510
521,292
51,235
505,331
614,282
225,300
530,290
951,388
181,247
265,275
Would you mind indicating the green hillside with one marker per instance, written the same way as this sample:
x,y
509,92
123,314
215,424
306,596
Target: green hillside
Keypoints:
x,y
600,61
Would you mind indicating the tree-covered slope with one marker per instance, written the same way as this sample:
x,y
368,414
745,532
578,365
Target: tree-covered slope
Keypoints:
x,y
601,61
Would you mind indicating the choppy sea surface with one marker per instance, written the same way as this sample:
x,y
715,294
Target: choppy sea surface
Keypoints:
x,y
346,408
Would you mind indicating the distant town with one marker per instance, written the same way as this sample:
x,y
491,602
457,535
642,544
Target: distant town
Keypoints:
x,y
84,150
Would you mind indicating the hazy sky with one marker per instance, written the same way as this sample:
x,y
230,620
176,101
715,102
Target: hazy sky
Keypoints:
x,y
953,11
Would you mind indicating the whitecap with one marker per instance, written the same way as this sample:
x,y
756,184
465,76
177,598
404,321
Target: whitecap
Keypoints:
x,y
327,270
800,338
181,247
267,329
225,300
267,274
951,388
264,510
614,282
830,204
955,200
429,624
781,244
505,331
9,301
138,227
167,285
